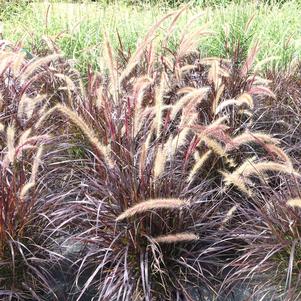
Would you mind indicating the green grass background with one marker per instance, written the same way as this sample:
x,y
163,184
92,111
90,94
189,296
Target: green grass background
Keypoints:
x,y
78,28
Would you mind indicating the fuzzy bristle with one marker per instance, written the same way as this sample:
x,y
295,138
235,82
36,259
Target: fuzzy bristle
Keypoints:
x,y
152,204
250,137
176,238
88,132
199,163
294,203
237,181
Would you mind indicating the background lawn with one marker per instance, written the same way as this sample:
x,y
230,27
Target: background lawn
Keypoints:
x,y
77,28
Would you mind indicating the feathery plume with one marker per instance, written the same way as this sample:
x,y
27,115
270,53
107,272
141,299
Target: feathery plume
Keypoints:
x,y
25,189
1,101
217,123
111,65
213,74
36,164
274,149
186,68
27,106
152,204
214,146
28,70
199,163
261,167
70,86
137,55
5,59
257,80
250,60
161,158
178,141
228,215
247,99
10,138
195,96
244,99
87,131
190,40
24,137
159,103
249,137
189,113
237,181
186,90
176,238
138,90
250,168
17,62
99,101
261,90
294,203
69,82
246,164
44,116
216,100
144,150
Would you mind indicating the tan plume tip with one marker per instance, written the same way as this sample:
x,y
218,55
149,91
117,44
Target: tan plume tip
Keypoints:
x,y
194,96
237,181
87,131
144,152
229,214
152,204
109,52
244,99
217,98
215,146
25,189
174,238
10,133
264,166
141,47
200,162
69,82
178,141
161,158
249,137
36,164
190,41
294,203
280,153
36,63
247,99
159,103
213,74
250,60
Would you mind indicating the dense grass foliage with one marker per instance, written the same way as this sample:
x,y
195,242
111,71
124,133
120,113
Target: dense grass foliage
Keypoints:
x,y
27,240
163,174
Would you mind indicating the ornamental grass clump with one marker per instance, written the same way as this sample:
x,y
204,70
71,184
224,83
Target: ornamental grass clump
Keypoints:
x,y
29,87
168,155
29,247
24,254
269,234
154,180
